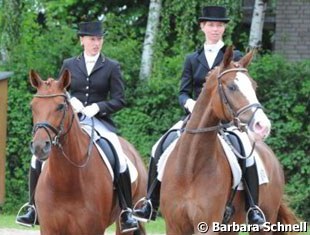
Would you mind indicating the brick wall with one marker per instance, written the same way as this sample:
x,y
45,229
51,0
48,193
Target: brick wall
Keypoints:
x,y
292,37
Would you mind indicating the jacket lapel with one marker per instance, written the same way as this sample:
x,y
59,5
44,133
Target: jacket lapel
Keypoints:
x,y
202,58
81,64
99,63
219,57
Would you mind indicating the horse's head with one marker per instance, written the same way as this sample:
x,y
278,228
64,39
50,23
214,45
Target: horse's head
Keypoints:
x,y
49,110
235,98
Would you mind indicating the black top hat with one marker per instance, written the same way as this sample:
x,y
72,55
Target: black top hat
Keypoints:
x,y
214,13
90,29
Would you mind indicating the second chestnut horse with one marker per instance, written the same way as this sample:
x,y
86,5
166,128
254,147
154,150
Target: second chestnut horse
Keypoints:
x,y
197,181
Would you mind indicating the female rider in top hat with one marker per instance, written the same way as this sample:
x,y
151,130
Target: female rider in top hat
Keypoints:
x,y
197,65
97,90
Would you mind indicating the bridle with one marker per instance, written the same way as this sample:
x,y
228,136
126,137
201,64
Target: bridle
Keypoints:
x,y
236,121
59,131
225,101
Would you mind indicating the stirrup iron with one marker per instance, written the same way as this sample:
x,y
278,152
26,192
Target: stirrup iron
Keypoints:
x,y
143,201
27,205
120,219
255,208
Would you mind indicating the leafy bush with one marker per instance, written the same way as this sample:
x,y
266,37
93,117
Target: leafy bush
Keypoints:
x,y
153,112
42,51
284,89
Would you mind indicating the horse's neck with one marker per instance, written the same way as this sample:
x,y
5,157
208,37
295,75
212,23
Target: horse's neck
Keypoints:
x,y
63,171
203,115
199,149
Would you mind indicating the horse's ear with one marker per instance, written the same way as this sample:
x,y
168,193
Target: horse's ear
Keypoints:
x,y
35,79
228,56
65,79
246,60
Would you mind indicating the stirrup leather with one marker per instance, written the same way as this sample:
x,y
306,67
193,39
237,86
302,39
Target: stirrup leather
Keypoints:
x,y
255,208
143,201
27,205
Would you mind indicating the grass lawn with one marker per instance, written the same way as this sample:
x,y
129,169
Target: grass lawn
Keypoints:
x,y
8,221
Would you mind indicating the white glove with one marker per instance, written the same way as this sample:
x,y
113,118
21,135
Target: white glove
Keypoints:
x,y
91,110
189,105
76,105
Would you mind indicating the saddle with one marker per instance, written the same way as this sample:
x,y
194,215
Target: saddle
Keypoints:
x,y
166,141
236,143
109,151
240,155
109,155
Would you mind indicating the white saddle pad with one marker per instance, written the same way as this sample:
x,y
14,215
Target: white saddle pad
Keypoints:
x,y
132,169
232,159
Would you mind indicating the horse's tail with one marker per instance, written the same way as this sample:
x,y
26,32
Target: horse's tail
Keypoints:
x,y
286,216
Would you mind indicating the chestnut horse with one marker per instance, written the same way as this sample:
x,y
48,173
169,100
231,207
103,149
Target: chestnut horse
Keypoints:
x,y
197,181
75,194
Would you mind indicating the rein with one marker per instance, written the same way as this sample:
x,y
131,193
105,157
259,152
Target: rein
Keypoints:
x,y
203,130
59,131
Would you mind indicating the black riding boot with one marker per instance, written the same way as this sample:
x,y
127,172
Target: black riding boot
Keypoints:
x,y
123,187
254,214
151,202
29,218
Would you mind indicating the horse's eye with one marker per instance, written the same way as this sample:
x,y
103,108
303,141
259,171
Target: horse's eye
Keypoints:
x,y
232,87
61,107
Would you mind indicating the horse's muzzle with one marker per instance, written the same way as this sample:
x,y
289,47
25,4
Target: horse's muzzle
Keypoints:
x,y
260,126
41,149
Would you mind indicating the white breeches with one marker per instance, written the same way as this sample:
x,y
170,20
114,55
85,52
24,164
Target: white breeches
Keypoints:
x,y
33,162
112,137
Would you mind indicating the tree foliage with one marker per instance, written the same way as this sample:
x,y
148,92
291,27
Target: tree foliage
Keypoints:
x,y
41,42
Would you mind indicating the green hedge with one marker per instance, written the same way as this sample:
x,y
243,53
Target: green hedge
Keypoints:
x,y
284,89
